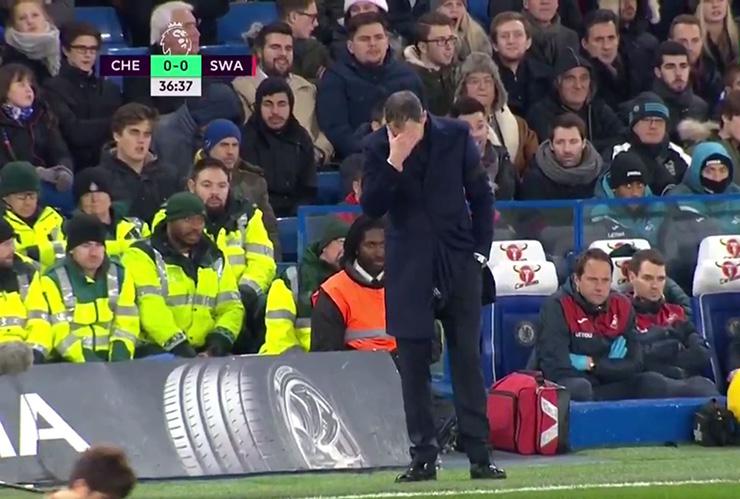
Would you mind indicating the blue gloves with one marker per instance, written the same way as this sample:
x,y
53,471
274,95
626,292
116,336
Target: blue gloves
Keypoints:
x,y
618,349
579,362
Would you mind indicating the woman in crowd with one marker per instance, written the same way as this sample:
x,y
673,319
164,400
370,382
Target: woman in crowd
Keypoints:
x,y
480,79
32,39
29,132
720,32
472,37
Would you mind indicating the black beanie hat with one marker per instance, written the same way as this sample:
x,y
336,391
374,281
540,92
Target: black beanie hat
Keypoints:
x,y
270,86
83,228
648,105
90,180
6,230
627,167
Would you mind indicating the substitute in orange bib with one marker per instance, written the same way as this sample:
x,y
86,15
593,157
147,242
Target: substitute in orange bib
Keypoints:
x,y
349,308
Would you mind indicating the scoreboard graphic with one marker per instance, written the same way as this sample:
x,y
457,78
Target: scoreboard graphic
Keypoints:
x,y
177,75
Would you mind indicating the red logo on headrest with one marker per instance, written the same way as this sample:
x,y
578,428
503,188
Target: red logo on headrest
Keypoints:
x,y
614,245
732,246
729,270
527,275
623,267
514,252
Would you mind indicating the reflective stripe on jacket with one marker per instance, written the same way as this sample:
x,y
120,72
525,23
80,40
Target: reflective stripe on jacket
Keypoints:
x,y
175,308
13,308
363,310
44,242
248,250
128,231
284,331
73,322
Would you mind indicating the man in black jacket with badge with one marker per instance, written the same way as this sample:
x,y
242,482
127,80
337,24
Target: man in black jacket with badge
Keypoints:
x,y
425,171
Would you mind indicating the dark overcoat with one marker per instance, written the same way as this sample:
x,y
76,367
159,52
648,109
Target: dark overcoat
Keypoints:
x,y
440,211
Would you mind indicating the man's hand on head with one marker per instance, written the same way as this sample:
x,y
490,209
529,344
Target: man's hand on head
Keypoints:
x,y
401,145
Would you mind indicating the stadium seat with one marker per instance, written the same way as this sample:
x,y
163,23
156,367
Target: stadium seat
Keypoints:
x,y
716,291
516,251
479,10
520,288
106,20
240,19
288,230
610,245
329,188
725,246
620,278
232,49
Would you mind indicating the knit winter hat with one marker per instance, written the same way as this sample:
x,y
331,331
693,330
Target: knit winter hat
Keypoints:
x,y
480,62
18,176
6,230
218,130
183,205
90,180
647,105
382,4
627,167
83,228
335,229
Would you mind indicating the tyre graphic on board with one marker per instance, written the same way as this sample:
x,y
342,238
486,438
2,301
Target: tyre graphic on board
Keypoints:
x,y
223,420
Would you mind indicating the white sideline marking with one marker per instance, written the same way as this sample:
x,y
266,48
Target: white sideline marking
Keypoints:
x,y
543,488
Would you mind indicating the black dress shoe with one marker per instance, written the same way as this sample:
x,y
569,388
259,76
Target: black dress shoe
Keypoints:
x,y
486,471
418,472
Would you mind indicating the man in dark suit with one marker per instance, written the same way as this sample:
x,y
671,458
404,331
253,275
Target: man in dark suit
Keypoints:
x,y
421,170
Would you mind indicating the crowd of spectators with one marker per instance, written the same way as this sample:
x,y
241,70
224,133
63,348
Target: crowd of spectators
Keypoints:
x,y
565,100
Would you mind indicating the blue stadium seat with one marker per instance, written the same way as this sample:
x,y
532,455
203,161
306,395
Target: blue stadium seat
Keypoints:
x,y
288,230
521,288
232,49
106,20
329,188
479,10
717,294
241,17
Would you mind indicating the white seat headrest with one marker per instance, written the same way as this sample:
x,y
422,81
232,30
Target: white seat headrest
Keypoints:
x,y
525,278
620,277
719,248
609,245
524,250
717,276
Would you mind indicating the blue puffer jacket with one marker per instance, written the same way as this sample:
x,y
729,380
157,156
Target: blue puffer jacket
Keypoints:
x,y
619,221
348,91
725,213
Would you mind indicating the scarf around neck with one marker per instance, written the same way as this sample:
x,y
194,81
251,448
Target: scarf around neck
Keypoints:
x,y
584,173
19,114
42,47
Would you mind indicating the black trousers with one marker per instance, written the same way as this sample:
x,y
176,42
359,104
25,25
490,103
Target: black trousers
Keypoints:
x,y
460,317
645,385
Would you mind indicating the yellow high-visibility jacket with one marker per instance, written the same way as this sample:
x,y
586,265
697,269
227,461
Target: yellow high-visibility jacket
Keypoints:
x,y
13,295
182,298
242,237
78,313
44,242
284,329
128,231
